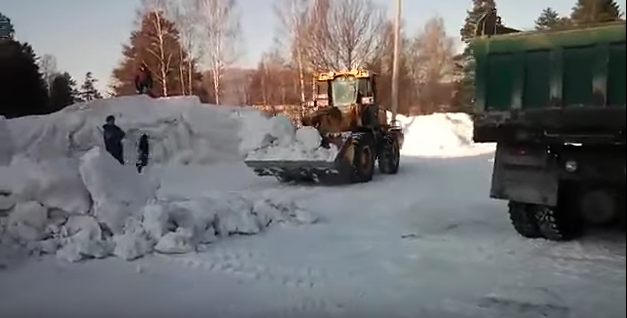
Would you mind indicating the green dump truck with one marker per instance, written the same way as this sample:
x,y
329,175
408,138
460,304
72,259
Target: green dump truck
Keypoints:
x,y
554,104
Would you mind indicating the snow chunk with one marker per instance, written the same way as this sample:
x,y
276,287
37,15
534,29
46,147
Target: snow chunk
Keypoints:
x,y
197,216
282,130
27,223
309,137
80,246
234,215
83,239
118,191
277,138
155,220
178,242
7,202
254,132
82,223
134,243
55,183
270,211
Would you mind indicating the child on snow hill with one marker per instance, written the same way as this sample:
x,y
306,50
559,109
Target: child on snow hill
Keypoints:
x,y
113,136
143,81
142,153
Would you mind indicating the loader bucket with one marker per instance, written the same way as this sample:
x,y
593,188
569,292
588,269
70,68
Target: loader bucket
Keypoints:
x,y
318,171
299,171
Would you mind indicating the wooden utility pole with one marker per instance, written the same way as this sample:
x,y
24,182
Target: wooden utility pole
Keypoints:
x,y
395,62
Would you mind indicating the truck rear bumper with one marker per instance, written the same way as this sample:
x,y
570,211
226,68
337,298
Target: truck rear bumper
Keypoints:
x,y
533,173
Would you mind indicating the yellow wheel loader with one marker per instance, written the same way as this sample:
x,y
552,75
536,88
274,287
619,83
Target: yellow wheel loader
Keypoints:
x,y
345,112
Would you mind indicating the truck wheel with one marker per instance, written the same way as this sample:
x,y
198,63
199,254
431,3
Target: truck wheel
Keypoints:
x,y
598,206
389,158
363,161
554,224
523,220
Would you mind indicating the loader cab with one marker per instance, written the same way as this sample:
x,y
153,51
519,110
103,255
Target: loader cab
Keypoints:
x,y
344,89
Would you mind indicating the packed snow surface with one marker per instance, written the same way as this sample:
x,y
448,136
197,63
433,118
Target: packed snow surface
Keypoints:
x,y
191,235
276,138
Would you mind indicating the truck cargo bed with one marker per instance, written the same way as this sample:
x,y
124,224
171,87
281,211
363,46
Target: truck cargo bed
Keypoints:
x,y
568,85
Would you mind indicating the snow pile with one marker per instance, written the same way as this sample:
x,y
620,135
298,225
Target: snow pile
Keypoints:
x,y
181,130
117,191
440,135
94,207
276,138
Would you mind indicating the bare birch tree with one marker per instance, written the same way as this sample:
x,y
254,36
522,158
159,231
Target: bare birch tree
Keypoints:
x,y
344,34
187,19
221,32
293,17
158,47
48,67
431,63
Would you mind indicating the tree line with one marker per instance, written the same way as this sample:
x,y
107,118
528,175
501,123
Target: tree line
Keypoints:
x,y
32,85
192,47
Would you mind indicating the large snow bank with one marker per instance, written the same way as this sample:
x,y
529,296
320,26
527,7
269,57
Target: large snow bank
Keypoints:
x,y
440,135
276,138
181,130
109,209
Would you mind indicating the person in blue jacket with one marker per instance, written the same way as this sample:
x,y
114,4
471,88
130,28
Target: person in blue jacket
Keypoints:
x,y
113,136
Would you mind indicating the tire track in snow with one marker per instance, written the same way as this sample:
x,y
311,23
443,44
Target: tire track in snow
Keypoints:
x,y
249,266
303,285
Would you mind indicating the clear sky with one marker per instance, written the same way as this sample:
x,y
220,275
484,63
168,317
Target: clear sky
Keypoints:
x,y
86,35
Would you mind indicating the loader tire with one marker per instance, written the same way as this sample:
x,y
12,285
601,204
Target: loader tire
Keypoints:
x,y
389,158
363,161
523,220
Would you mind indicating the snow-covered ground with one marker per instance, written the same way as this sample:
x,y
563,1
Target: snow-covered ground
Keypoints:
x,y
427,242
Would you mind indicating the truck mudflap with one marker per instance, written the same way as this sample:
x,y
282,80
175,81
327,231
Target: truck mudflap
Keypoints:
x,y
525,173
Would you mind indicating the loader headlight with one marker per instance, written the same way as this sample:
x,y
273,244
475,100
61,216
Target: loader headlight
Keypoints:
x,y
571,166
367,100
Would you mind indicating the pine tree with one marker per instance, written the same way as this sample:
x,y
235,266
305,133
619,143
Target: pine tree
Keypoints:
x,y
22,88
479,8
156,45
548,19
88,90
7,30
465,90
589,12
63,92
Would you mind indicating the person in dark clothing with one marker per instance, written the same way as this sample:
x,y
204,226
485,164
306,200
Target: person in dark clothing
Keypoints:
x,y
142,153
143,81
113,136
